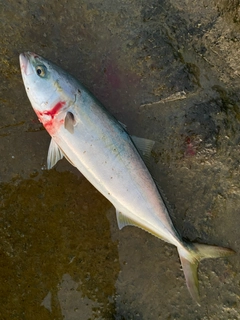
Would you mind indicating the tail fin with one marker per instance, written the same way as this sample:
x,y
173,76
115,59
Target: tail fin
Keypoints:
x,y
190,257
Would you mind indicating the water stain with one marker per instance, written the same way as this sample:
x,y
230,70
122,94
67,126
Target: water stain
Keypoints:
x,y
52,228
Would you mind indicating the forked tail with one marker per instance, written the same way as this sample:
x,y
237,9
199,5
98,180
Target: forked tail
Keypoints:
x,y
190,257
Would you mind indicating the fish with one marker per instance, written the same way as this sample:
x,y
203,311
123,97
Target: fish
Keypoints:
x,y
84,132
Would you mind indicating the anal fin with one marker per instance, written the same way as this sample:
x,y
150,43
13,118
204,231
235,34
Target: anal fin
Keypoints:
x,y
124,221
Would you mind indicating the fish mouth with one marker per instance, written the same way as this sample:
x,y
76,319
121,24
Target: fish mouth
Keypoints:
x,y
25,62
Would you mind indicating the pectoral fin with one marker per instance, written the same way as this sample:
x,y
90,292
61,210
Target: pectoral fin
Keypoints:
x,y
69,122
54,154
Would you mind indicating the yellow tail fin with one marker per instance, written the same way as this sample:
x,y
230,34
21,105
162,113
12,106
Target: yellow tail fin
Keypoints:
x,y
190,257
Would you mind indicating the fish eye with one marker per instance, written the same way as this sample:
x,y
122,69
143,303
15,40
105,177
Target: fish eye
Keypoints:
x,y
41,71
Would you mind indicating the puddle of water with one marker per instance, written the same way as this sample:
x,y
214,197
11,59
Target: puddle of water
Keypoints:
x,y
56,249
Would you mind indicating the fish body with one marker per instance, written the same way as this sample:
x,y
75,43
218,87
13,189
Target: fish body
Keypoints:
x,y
92,140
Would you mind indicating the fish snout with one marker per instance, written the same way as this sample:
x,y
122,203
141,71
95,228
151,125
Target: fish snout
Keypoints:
x,y
25,63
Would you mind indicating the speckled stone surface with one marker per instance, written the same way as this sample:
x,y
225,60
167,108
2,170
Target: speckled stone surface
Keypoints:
x,y
170,71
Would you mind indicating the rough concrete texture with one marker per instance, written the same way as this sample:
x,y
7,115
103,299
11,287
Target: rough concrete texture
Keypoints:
x,y
170,71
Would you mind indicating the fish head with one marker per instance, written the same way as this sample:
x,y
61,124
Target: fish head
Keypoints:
x,y
49,88
38,77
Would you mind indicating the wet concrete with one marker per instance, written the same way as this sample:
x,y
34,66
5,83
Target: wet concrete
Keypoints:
x,y
55,248
170,71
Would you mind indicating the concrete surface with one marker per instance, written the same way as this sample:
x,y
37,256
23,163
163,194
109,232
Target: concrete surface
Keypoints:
x,y
170,71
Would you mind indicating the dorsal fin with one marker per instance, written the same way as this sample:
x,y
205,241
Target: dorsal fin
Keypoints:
x,y
123,125
144,147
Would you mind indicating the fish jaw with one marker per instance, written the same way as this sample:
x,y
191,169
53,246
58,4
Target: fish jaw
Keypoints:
x,y
49,95
25,66
39,89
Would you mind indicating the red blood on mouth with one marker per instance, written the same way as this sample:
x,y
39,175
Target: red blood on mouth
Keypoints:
x,y
55,109
51,124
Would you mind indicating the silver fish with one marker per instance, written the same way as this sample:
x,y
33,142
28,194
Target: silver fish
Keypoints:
x,y
92,140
